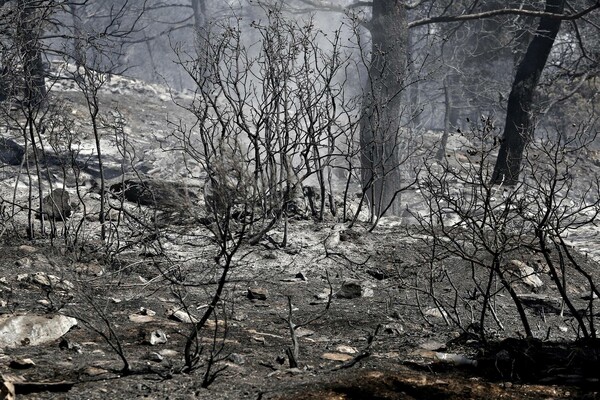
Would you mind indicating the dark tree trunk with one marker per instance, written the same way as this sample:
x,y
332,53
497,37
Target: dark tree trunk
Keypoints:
x,y
380,119
518,130
199,7
78,42
33,67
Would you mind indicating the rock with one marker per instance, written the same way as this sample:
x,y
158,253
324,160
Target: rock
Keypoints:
x,y
455,359
21,363
432,345
93,269
435,312
337,357
527,274
57,205
181,316
156,357
22,277
393,328
257,293
379,274
301,276
333,240
346,349
7,390
95,371
168,353
46,280
354,289
24,262
237,358
32,330
324,295
303,332
145,311
141,319
156,337
27,249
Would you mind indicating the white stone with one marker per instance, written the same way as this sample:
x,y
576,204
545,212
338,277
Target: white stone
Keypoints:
x,y
33,330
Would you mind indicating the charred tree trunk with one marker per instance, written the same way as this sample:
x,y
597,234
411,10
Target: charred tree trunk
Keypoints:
x,y
199,7
29,33
78,39
519,128
380,119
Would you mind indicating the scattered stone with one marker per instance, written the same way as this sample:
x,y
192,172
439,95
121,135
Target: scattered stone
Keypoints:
x,y
237,358
21,363
156,337
324,295
353,290
153,356
46,280
24,262
333,240
433,345
141,319
587,297
115,300
239,317
7,390
259,339
257,293
393,328
435,313
168,353
181,316
378,274
346,349
95,371
527,274
44,302
563,329
455,359
337,357
33,330
27,249
145,311
92,269
303,332
301,276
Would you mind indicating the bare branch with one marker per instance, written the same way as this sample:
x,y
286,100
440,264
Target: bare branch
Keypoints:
x,y
331,6
506,11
